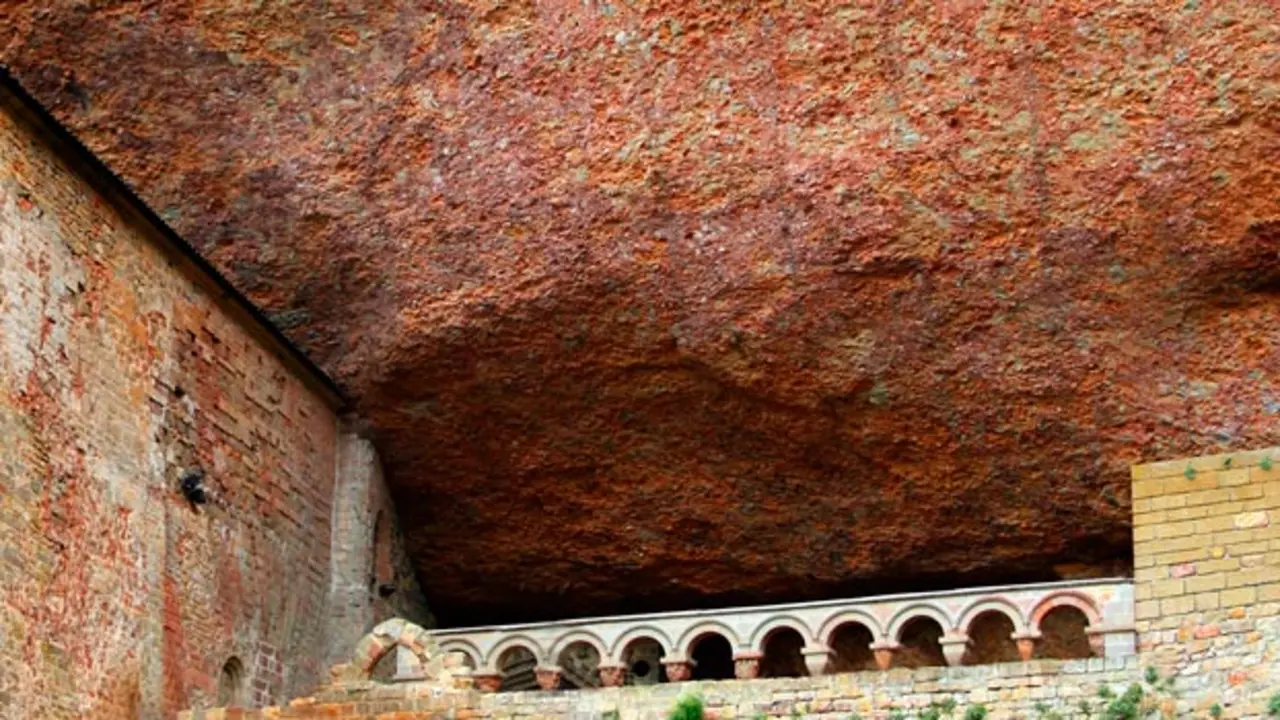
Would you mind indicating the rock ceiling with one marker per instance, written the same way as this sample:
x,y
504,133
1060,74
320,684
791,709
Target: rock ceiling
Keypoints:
x,y
665,304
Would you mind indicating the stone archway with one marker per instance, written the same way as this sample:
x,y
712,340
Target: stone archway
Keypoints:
x,y
417,661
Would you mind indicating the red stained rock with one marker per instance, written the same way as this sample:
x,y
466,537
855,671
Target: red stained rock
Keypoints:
x,y
669,303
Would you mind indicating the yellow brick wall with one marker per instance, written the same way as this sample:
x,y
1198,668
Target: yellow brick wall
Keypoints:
x,y
1206,557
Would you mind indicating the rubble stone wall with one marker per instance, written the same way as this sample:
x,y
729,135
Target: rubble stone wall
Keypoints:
x,y
122,366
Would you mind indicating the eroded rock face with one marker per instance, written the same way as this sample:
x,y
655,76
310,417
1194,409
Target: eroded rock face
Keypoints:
x,y
661,304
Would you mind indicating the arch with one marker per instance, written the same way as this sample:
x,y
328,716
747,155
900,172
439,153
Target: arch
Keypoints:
x,y
920,643
579,661
385,637
850,643
1064,634
466,647
777,622
991,638
513,641
574,636
693,634
711,654
642,656
1070,598
911,612
782,651
636,633
992,604
231,683
844,617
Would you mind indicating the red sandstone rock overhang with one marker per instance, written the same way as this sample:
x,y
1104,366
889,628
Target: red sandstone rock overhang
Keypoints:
x,y
112,187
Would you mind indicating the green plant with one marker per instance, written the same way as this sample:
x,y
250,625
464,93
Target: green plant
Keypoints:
x,y
1215,712
897,714
688,707
1226,464
1044,712
1273,706
1266,464
1151,675
976,712
610,715
1189,473
1086,708
1128,706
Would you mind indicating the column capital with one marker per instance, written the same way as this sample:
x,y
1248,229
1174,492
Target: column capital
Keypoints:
x,y
487,681
746,664
548,676
678,669
954,646
817,658
883,651
612,674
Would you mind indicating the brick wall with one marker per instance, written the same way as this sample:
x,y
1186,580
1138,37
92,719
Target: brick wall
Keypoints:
x,y
121,365
1206,539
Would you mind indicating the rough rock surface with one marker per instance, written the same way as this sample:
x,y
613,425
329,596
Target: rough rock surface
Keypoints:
x,y
657,304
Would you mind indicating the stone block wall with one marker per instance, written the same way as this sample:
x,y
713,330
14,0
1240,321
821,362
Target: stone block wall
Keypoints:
x,y
1206,547
1007,691
121,366
372,578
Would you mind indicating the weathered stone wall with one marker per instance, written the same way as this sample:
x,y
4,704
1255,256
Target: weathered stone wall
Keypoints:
x,y
1206,537
121,366
372,576
1007,691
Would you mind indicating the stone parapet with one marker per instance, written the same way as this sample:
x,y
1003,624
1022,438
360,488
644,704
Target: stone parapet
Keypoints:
x,y
1108,605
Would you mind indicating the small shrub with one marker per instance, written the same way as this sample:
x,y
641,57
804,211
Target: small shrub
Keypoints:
x,y
1266,464
897,714
610,715
1043,712
1215,712
1273,706
1127,706
1151,675
1189,473
688,707
1086,708
976,712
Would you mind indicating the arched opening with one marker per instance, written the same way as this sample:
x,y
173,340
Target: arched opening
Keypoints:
x,y
385,669
991,640
920,644
383,569
1063,634
851,643
579,664
517,666
643,658
231,683
713,658
783,654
